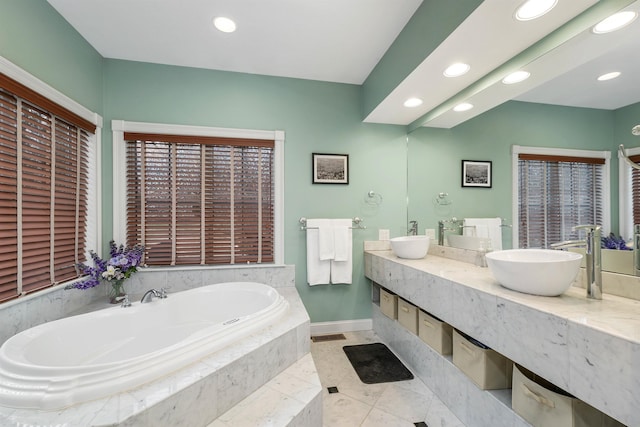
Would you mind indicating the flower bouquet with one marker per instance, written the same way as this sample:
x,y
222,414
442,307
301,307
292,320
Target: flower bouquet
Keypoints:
x,y
615,242
123,262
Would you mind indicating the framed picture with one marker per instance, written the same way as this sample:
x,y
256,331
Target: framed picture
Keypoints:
x,y
330,168
476,173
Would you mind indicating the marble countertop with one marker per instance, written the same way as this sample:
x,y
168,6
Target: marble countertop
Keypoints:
x,y
590,348
612,315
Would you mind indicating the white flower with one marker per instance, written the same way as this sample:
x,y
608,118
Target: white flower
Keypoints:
x,y
109,273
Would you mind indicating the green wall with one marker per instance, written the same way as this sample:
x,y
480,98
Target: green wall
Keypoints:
x,y
625,119
36,38
316,117
435,157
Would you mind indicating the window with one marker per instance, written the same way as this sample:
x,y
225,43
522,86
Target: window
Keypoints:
x,y
47,190
629,194
205,196
555,190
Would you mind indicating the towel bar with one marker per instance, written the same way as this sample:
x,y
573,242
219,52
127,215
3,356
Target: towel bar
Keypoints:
x,y
357,221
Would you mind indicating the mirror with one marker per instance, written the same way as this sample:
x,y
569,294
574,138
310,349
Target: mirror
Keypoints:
x,y
571,110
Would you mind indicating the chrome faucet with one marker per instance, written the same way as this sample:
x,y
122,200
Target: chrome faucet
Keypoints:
x,y
593,257
457,225
148,296
413,228
125,302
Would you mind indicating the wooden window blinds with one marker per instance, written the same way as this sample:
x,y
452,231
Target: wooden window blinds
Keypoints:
x,y
200,200
635,190
555,194
43,194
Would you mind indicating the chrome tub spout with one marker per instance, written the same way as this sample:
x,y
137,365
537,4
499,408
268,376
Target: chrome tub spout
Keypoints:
x,y
151,293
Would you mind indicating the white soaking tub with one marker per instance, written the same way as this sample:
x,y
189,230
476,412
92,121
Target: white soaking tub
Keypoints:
x,y
94,355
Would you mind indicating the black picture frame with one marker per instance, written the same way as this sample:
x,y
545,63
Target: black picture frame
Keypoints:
x,y
330,168
476,173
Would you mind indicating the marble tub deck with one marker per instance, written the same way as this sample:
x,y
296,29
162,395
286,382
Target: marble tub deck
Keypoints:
x,y
197,394
292,399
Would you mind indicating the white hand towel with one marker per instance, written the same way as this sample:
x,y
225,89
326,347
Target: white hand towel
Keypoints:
x,y
318,271
326,247
341,239
342,264
475,228
490,228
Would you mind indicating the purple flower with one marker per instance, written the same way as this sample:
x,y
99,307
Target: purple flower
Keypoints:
x,y
614,242
123,262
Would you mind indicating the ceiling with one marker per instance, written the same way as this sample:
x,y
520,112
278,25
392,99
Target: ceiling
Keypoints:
x,y
342,41
329,40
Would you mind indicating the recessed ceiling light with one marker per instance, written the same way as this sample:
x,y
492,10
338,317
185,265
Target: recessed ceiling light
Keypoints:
x,y
223,24
465,106
516,77
532,9
457,69
609,76
412,102
615,22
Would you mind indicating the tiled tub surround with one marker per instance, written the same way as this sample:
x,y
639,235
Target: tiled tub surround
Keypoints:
x,y
98,354
199,393
292,399
55,303
589,348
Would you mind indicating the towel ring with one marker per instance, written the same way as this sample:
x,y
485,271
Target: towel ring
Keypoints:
x,y
442,199
373,198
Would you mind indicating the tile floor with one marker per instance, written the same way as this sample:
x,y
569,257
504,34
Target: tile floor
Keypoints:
x,y
396,404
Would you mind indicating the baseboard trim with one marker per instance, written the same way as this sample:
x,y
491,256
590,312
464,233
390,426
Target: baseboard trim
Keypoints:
x,y
321,328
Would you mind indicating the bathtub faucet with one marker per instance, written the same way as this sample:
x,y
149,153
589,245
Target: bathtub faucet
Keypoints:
x,y
125,302
148,296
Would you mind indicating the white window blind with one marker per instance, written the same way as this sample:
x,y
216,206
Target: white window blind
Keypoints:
x,y
200,200
556,193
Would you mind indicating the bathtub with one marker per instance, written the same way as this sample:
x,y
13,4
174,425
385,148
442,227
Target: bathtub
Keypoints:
x,y
98,354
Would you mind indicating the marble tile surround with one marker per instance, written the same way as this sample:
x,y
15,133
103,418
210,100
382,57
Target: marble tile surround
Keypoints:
x,y
293,398
55,303
589,348
186,397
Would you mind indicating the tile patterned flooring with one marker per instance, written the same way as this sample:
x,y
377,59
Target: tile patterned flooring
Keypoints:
x,y
397,404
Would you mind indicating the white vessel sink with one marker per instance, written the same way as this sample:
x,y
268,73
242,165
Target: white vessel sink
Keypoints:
x,y
543,272
468,242
410,247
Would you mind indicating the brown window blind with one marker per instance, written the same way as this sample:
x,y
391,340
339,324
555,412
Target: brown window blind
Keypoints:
x,y
635,190
43,196
8,196
555,194
35,98
200,200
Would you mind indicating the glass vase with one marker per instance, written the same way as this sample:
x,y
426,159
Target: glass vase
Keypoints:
x,y
117,292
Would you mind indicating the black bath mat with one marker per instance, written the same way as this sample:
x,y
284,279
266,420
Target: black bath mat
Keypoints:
x,y
375,363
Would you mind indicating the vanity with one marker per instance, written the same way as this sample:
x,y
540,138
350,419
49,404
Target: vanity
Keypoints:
x,y
588,348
